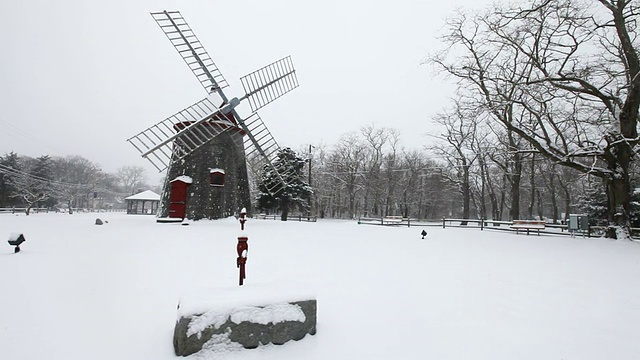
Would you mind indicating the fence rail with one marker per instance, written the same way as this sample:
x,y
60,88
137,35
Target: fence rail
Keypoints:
x,y
18,210
397,221
290,217
593,230
14,210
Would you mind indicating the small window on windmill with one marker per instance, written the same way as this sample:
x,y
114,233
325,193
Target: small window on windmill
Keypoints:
x,y
216,177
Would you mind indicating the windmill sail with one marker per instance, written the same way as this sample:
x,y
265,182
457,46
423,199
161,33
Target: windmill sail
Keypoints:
x,y
262,149
190,49
269,83
182,133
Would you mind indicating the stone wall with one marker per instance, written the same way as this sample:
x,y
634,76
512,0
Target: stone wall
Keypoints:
x,y
204,201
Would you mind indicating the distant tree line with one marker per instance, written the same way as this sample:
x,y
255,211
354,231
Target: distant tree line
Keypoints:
x,y
543,124
468,172
69,182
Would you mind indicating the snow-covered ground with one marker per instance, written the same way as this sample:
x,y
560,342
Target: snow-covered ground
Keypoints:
x,y
82,291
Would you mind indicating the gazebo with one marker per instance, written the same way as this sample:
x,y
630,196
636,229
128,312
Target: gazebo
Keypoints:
x,y
144,203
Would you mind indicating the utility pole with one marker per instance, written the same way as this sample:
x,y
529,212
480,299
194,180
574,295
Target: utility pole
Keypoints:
x,y
310,195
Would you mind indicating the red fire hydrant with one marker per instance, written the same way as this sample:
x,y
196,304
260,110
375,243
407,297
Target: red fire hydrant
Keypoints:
x,y
243,249
243,218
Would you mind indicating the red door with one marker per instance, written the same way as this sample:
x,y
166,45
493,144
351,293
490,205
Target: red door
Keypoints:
x,y
178,199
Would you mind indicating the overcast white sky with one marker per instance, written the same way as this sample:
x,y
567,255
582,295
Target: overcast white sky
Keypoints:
x,y
80,77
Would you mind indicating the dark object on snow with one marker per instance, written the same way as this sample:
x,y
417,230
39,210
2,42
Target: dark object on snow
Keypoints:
x,y
423,233
246,333
242,249
98,221
15,240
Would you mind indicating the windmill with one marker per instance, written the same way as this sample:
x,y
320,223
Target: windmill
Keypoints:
x,y
208,145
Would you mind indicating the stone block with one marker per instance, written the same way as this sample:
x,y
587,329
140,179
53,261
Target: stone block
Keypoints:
x,y
246,325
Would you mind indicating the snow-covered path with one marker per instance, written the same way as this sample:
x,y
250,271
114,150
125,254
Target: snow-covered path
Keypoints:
x,y
79,291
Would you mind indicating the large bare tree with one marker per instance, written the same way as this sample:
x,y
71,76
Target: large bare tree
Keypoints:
x,y
567,74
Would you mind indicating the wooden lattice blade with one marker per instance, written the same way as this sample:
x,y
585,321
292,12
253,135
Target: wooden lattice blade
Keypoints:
x,y
262,150
190,49
269,83
182,133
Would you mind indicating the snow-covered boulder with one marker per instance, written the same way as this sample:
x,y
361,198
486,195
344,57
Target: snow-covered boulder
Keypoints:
x,y
246,317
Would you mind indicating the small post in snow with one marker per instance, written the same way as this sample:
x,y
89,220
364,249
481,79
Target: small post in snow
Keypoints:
x,y
243,218
242,248
241,261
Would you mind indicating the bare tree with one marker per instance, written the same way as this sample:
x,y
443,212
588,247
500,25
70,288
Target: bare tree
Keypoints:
x,y
374,140
392,171
131,178
545,59
413,163
77,178
456,149
348,158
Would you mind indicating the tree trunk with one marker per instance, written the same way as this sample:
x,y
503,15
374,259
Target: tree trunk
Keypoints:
x,y
540,207
285,212
554,202
619,202
532,185
515,188
502,197
466,194
567,203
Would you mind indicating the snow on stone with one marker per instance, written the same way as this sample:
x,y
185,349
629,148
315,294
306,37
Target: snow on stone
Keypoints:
x,y
14,236
216,346
227,299
263,304
272,313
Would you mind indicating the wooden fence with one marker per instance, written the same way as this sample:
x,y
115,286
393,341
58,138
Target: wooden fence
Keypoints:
x,y
22,210
555,229
297,217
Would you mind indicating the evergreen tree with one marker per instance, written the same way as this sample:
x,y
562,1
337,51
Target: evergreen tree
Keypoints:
x,y
593,202
8,164
32,186
297,192
42,168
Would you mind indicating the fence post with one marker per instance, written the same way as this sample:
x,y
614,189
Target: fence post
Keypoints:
x,y
409,222
481,224
443,220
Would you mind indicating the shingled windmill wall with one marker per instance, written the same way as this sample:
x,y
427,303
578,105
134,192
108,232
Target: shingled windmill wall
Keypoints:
x,y
203,200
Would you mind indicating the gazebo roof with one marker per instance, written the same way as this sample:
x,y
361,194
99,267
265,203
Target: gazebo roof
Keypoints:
x,y
145,195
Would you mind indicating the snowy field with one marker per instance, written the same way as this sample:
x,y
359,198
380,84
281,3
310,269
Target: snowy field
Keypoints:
x,y
81,291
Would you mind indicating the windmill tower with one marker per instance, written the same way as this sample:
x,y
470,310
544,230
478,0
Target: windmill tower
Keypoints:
x,y
206,147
